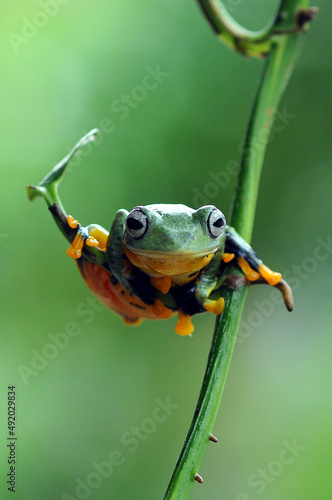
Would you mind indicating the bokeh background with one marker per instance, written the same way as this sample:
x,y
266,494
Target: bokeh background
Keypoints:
x,y
60,80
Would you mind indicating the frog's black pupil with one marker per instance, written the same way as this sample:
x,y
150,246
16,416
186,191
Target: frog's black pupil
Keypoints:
x,y
218,223
134,224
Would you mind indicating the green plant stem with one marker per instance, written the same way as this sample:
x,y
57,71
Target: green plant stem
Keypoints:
x,y
251,43
277,69
255,43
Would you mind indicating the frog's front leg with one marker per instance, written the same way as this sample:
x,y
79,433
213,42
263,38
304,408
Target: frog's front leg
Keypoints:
x,y
196,299
89,241
255,271
92,235
207,285
131,278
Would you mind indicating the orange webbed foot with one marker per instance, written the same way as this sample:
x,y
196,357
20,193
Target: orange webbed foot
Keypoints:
x,y
184,325
214,306
97,238
270,276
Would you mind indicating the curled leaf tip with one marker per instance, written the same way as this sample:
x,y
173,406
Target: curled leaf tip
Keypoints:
x,y
89,137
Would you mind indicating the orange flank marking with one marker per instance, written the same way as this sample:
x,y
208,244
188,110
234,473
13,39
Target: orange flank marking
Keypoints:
x,y
114,296
73,223
163,284
227,257
270,276
75,250
214,306
184,325
248,271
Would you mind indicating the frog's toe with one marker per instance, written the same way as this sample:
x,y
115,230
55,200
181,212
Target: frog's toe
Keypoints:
x,y
132,322
163,284
214,306
73,223
270,276
251,275
227,257
184,325
75,249
92,242
98,237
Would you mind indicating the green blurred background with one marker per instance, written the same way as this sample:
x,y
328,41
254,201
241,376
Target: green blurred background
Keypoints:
x,y
55,86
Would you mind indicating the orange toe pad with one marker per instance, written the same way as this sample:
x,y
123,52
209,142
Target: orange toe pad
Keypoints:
x,y
184,325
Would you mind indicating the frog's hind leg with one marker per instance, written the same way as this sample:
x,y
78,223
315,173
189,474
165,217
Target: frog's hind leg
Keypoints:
x,y
255,271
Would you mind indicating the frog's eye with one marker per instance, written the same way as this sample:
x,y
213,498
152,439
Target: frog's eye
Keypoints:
x,y
216,223
137,223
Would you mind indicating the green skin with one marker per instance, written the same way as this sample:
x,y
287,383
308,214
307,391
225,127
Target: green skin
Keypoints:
x,y
172,232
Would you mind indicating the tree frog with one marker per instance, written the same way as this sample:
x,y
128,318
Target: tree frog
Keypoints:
x,y
158,260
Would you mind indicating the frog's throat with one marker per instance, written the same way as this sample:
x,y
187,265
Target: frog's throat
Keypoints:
x,y
159,264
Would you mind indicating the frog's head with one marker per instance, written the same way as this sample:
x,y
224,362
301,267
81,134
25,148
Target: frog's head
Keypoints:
x,y
173,240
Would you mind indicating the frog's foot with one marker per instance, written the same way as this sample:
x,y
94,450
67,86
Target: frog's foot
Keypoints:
x,y
270,276
93,236
184,325
265,272
132,322
163,284
214,306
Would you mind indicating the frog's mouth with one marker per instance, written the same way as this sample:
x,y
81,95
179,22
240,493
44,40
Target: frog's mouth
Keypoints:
x,y
175,264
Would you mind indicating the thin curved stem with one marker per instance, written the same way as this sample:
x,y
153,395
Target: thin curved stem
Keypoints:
x,y
277,69
254,43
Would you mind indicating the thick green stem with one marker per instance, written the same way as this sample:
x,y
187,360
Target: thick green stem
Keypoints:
x,y
277,69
